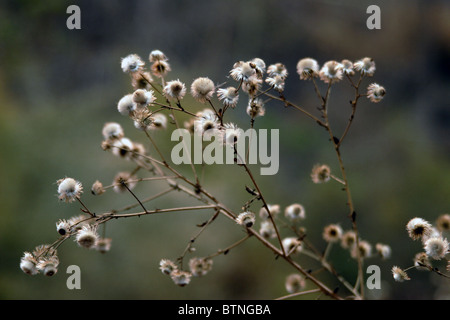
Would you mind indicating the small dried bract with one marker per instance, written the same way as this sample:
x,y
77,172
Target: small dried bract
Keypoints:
x,y
295,212
87,237
69,189
251,86
307,68
418,228
167,266
295,283
122,148
399,275
246,219
141,80
375,92
200,266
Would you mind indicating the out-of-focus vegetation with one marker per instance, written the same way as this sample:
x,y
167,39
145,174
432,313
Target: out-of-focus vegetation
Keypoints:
x,y
58,87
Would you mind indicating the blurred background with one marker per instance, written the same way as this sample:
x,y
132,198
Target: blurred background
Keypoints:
x,y
59,86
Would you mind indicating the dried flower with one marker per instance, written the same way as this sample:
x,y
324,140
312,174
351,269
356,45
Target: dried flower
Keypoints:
x,y
207,124
267,230
48,265
365,250
366,66
160,68
292,245
399,275
332,233
202,89
167,266
132,63
77,222
375,92
143,98
123,181
230,134
141,80
200,266
331,72
158,121
122,147
421,261
174,90
246,219
243,71
260,66
97,188
348,239
277,82
126,106
28,264
229,96
347,67
103,245
69,189
112,131
62,227
418,228
273,208
87,236
157,55
307,68
277,69
181,278
295,212
320,173
443,222
436,247
251,86
294,283
383,250
255,108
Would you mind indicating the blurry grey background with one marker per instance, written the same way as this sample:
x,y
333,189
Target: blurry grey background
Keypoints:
x,y
58,87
